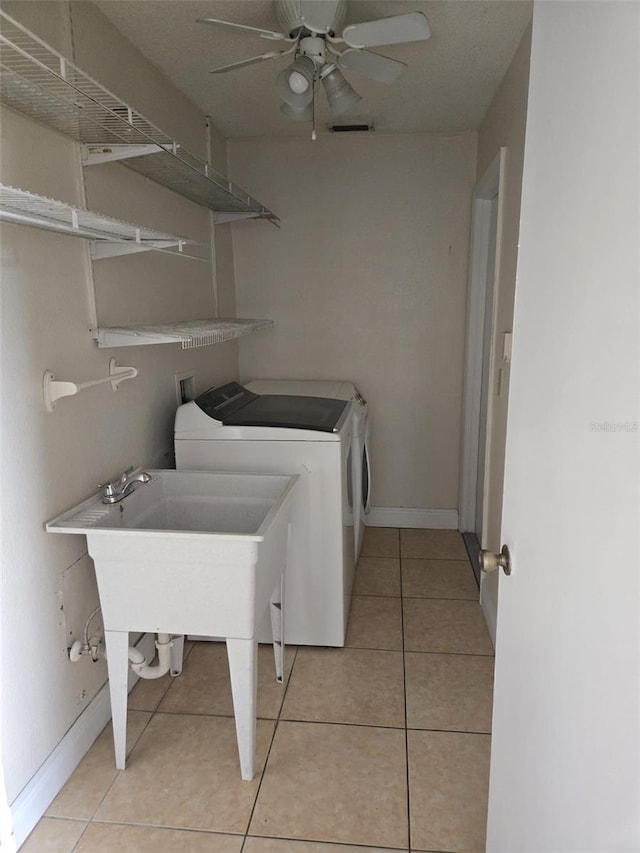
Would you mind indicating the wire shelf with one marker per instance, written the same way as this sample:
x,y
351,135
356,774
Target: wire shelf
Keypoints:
x,y
38,81
26,208
189,334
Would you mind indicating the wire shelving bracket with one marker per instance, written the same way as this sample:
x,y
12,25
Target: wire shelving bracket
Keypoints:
x,y
54,389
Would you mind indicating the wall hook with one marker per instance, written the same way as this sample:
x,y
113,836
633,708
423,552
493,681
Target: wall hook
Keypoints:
x,y
53,389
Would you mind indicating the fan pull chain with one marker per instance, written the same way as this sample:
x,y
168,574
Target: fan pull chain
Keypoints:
x,y
313,113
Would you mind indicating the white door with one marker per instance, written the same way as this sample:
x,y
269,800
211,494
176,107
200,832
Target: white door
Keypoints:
x,y
565,764
485,229
492,215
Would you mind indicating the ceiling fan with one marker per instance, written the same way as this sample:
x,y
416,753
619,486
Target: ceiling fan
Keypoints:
x,y
310,30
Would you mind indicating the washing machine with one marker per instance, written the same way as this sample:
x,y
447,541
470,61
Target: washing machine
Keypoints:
x,y
360,498
231,428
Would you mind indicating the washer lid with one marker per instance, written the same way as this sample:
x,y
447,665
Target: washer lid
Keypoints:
x,y
234,405
336,389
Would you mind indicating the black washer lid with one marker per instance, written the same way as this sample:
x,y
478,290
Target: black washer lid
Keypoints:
x,y
234,405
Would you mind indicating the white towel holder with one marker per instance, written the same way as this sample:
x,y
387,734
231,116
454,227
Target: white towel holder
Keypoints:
x,y
53,389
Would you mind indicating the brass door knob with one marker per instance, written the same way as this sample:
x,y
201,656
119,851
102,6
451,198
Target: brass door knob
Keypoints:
x,y
489,561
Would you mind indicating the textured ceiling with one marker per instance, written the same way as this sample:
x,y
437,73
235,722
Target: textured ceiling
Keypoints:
x,y
448,87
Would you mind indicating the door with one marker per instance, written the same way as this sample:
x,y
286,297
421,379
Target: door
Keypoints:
x,y
492,217
565,762
476,481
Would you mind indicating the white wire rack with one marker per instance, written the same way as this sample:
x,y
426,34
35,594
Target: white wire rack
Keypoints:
x,y
26,208
190,334
40,82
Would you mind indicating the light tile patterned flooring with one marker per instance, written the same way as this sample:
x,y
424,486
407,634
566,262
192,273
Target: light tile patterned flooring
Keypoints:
x,y
380,746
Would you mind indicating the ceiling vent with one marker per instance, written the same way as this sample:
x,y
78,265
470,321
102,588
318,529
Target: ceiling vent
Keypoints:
x,y
365,127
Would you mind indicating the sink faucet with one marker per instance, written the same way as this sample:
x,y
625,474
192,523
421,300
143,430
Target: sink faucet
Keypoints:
x,y
116,491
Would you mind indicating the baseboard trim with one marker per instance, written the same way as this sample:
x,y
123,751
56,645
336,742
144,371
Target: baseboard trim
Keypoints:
x,y
401,516
34,799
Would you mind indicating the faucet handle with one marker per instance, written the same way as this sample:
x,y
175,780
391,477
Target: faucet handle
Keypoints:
x,y
125,475
108,489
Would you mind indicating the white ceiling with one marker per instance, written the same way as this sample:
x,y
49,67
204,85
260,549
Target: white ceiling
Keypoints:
x,y
448,87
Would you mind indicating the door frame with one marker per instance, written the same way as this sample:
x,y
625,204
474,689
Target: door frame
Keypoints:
x,y
488,187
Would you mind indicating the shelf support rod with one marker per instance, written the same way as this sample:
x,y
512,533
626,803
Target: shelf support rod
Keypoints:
x,y
53,389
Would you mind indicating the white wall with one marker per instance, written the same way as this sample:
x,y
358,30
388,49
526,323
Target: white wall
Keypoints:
x,y
51,461
366,281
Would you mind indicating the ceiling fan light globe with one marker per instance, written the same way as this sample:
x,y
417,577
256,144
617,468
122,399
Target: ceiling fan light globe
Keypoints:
x,y
301,70
298,83
340,96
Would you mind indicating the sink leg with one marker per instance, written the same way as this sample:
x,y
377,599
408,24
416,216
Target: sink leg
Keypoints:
x,y
243,668
177,654
118,668
277,628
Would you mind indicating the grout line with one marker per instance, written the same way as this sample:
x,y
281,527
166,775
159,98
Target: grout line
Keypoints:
x,y
440,598
113,781
449,731
167,826
75,846
430,557
449,654
323,722
128,754
406,721
438,559
208,714
417,597
338,844
342,723
87,824
273,737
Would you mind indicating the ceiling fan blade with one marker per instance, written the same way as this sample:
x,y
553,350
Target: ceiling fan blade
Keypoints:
x,y
372,65
275,54
267,34
395,30
319,15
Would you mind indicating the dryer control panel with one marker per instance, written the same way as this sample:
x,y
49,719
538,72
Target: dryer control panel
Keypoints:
x,y
222,402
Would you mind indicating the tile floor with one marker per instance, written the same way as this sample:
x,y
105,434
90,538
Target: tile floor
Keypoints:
x,y
380,746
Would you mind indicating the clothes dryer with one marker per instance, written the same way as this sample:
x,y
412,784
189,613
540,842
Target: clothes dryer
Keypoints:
x,y
360,498
233,429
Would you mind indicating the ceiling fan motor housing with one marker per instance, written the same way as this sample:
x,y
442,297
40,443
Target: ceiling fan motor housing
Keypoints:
x,y
317,16
315,48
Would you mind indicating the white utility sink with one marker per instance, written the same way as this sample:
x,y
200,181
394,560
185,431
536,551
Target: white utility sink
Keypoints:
x,y
190,552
